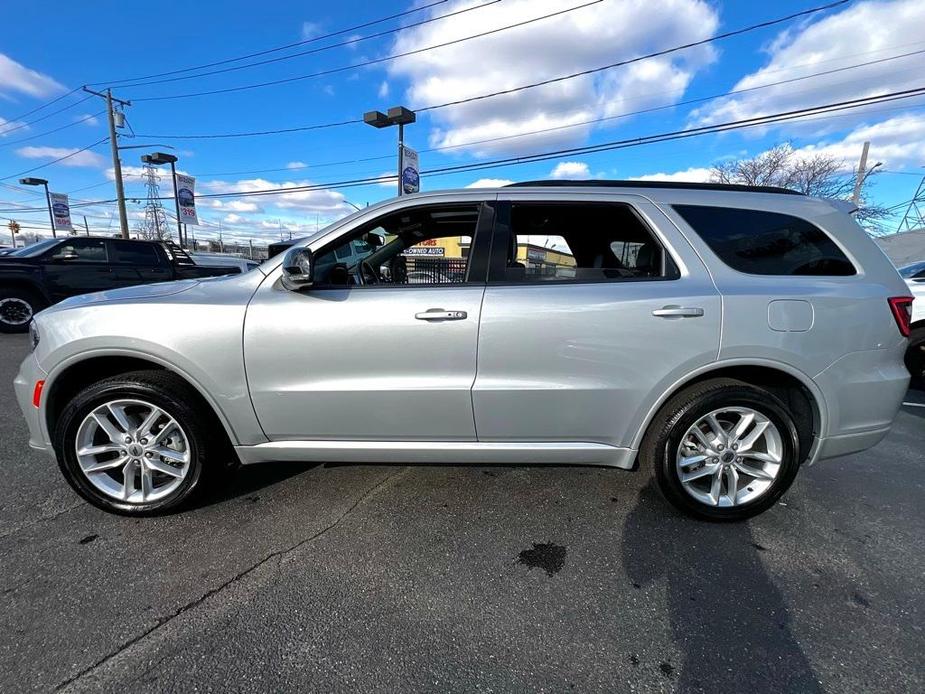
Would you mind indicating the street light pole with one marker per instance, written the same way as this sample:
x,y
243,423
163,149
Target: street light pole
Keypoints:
x,y
44,183
397,115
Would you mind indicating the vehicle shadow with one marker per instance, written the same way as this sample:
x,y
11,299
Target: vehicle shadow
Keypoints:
x,y
248,479
727,617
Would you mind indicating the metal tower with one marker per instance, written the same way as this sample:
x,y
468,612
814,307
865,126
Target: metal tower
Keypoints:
x,y
154,226
915,213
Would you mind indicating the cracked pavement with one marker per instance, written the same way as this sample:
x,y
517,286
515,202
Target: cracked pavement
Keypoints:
x,y
338,578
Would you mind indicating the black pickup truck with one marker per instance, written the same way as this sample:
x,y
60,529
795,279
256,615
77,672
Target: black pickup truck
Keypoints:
x,y
49,271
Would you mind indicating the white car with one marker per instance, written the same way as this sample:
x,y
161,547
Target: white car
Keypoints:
x,y
223,260
914,275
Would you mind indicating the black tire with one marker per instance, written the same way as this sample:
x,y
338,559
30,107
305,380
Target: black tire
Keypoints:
x,y
175,397
17,306
662,439
915,357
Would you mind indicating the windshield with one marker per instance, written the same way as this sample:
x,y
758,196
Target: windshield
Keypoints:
x,y
35,249
910,271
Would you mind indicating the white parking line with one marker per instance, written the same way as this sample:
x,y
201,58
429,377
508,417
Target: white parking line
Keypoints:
x,y
914,404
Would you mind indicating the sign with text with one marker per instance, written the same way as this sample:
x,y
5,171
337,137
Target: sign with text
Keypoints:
x,y
186,198
410,173
424,250
61,211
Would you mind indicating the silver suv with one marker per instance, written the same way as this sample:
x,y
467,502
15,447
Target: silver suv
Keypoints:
x,y
719,336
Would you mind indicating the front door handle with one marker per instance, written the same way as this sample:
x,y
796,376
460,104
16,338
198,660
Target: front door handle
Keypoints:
x,y
678,312
438,314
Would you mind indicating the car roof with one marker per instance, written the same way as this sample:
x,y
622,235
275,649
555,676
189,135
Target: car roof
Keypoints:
x,y
660,185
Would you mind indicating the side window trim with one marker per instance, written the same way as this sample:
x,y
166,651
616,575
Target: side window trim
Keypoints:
x,y
502,233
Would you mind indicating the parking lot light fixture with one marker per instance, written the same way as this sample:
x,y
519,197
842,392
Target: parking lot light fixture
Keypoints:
x,y
42,182
397,115
158,158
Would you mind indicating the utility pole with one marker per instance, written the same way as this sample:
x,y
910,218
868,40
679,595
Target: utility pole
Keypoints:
x,y
114,145
861,175
86,226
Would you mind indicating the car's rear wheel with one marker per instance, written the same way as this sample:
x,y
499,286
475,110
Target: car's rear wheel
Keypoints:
x,y
135,444
17,306
915,357
723,450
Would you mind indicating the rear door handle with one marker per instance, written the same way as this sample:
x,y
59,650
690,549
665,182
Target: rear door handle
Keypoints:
x,y
678,312
437,314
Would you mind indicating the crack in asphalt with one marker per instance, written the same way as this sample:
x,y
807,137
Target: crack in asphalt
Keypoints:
x,y
277,554
41,519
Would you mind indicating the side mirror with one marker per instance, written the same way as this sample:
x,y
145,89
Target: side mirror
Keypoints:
x,y
375,240
298,266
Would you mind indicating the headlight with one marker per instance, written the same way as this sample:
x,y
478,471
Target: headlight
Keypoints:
x,y
34,336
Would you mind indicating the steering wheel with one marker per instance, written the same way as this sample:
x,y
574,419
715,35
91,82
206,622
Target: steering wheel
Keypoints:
x,y
368,273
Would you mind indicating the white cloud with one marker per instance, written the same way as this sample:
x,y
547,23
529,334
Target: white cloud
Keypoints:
x,y
897,142
296,165
310,30
880,29
15,77
87,119
389,180
488,183
570,170
384,89
579,40
315,201
85,158
694,175
7,127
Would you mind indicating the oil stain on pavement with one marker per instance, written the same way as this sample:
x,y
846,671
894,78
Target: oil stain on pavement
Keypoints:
x,y
547,556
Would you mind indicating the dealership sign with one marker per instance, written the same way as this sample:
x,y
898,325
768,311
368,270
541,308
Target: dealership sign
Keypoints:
x,y
61,211
410,173
186,199
424,250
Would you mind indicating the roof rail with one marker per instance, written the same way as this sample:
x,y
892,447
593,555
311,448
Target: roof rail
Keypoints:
x,y
732,187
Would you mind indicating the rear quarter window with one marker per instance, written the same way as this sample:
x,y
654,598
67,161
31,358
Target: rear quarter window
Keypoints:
x,y
766,243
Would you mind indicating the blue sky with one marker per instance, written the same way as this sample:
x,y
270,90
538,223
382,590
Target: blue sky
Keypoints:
x,y
51,48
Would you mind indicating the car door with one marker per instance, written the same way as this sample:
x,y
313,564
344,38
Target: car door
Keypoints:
x,y
390,361
78,266
595,306
137,262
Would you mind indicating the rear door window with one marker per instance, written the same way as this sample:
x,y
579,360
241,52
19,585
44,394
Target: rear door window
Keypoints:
x,y
130,253
766,243
580,242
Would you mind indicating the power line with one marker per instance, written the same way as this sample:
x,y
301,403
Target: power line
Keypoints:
x,y
45,105
49,132
349,42
794,114
374,61
55,161
607,146
45,117
314,39
544,130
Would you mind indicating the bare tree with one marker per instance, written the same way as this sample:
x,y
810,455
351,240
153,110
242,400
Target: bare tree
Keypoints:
x,y
819,175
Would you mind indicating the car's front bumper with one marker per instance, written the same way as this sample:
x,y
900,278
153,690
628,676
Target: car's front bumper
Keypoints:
x,y
29,374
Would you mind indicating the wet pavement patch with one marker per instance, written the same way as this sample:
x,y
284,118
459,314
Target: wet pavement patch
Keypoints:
x,y
547,556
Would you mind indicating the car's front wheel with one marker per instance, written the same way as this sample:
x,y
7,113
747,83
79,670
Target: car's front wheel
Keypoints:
x,y
723,450
135,444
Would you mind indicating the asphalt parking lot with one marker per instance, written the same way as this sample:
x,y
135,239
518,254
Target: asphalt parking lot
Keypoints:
x,y
399,578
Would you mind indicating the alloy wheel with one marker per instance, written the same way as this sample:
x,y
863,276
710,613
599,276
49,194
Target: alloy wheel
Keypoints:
x,y
132,451
729,457
15,311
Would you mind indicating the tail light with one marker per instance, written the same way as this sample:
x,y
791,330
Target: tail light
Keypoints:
x,y
901,306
